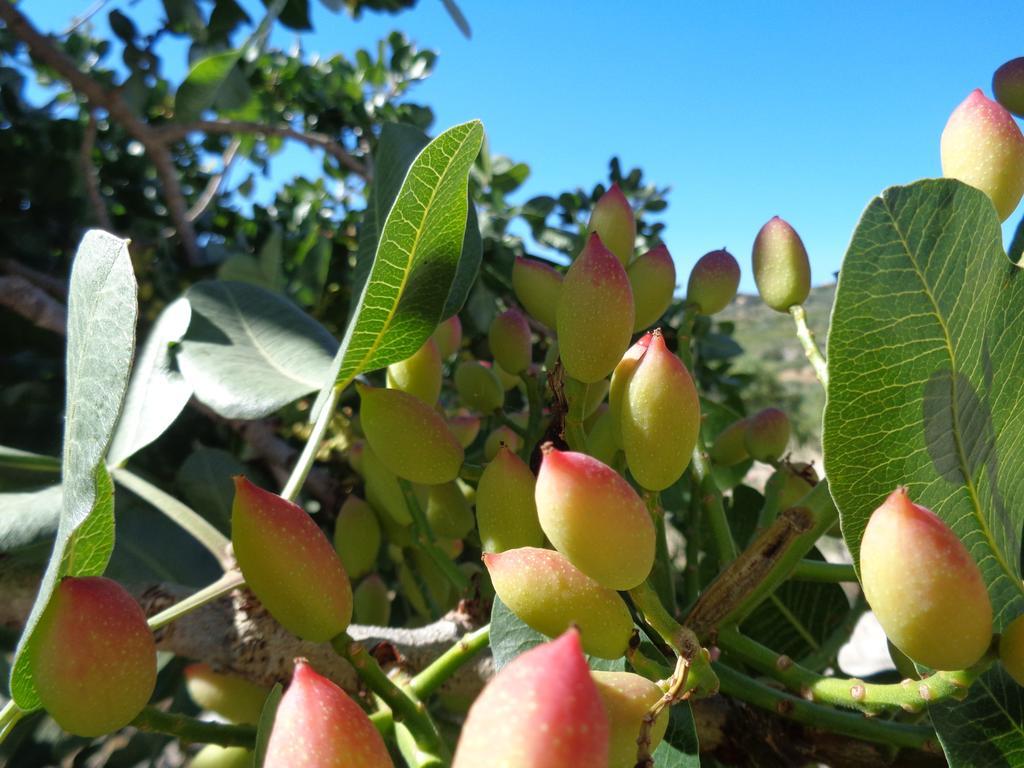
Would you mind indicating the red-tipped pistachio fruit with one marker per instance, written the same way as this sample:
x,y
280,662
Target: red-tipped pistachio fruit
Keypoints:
x,y
541,711
595,314
923,585
782,270
594,518
92,656
614,222
506,512
713,282
289,564
652,276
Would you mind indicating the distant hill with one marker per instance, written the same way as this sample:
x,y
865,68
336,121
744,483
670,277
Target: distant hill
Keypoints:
x,y
773,354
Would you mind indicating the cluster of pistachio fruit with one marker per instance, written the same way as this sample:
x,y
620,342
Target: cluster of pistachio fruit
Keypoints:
x,y
558,546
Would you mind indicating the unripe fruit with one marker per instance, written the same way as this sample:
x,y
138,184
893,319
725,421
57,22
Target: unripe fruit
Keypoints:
x,y
660,418
982,146
92,656
923,585
448,337
614,222
232,697
549,594
372,602
419,375
410,589
502,436
385,494
652,278
509,339
781,268
627,697
216,756
767,434
1011,649
594,518
439,589
479,387
713,282
538,287
357,536
595,313
1008,86
289,564
409,437
620,379
540,711
793,482
730,447
465,427
506,512
318,726
448,512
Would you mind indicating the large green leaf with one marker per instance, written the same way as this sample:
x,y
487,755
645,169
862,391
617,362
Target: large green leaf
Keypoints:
x,y
398,147
249,351
157,392
926,364
416,258
101,340
213,81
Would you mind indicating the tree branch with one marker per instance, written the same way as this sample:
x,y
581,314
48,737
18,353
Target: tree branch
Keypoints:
x,y
90,176
44,51
179,131
32,303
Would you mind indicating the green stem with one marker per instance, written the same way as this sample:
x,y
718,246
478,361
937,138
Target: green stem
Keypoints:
x,y
10,715
449,662
872,698
821,570
852,724
225,584
426,539
471,473
215,542
535,401
693,548
505,421
404,705
711,498
685,338
701,680
193,731
316,435
662,575
811,351
576,394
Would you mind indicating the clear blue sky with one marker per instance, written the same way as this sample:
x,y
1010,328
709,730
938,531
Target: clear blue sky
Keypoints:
x,y
745,109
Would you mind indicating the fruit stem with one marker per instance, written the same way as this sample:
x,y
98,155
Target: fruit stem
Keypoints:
x,y
871,698
685,337
505,421
222,586
215,542
674,693
701,680
449,662
426,539
806,337
820,570
316,435
711,498
576,394
535,401
662,575
825,655
10,715
405,706
190,730
853,724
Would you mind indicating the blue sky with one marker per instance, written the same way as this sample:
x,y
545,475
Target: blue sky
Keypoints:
x,y
745,109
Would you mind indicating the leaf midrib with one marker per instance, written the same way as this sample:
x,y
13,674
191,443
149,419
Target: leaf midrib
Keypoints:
x,y
378,339
961,455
